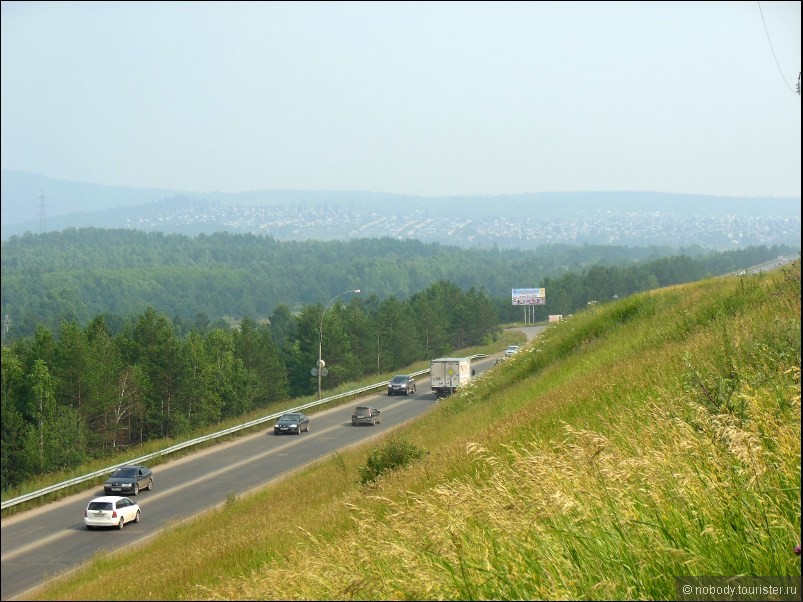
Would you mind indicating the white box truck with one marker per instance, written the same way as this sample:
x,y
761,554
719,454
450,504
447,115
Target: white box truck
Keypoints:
x,y
448,374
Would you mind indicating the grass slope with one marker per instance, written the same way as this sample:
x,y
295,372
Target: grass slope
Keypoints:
x,y
654,437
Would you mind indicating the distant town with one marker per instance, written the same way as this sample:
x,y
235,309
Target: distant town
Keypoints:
x,y
34,203
600,227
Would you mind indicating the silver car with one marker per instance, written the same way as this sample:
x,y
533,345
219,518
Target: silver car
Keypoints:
x,y
401,384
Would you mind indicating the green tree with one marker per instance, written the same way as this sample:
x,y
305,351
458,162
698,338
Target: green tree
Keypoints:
x,y
394,334
480,318
41,410
255,347
430,310
204,403
438,318
157,353
72,365
284,331
113,409
341,361
230,382
52,441
124,416
12,425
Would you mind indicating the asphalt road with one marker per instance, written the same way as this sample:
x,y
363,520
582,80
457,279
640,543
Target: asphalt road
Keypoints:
x,y
40,544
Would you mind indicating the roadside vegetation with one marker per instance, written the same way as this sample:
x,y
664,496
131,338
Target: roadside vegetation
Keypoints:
x,y
645,439
90,395
150,447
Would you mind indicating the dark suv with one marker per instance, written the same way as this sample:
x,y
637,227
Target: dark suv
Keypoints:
x,y
402,384
365,415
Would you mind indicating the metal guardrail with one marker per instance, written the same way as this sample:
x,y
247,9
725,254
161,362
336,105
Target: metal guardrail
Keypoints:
x,y
104,471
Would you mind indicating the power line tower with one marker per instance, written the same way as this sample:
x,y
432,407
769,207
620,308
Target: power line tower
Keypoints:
x,y
42,212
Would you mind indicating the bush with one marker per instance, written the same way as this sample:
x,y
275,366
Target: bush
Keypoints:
x,y
395,453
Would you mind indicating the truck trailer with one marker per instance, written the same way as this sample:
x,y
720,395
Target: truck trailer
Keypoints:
x,y
448,374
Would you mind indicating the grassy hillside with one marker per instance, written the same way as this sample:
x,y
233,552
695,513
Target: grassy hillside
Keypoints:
x,y
654,437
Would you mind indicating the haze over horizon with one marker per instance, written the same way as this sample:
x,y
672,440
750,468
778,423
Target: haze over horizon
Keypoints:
x,y
430,99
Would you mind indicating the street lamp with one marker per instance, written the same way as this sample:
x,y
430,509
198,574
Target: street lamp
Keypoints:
x,y
320,339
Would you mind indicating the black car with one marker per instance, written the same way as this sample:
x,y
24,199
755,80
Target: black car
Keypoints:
x,y
128,480
291,423
365,415
401,384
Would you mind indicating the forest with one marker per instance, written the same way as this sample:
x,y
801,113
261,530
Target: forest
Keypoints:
x,y
77,274
119,337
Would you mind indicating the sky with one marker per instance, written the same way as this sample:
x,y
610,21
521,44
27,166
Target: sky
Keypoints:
x,y
416,98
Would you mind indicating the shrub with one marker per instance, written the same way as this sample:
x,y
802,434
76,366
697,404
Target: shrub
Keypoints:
x,y
395,453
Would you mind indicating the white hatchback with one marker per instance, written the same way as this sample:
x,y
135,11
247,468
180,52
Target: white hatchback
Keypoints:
x,y
111,511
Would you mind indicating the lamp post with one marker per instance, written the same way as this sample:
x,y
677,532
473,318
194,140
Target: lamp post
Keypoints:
x,y
320,338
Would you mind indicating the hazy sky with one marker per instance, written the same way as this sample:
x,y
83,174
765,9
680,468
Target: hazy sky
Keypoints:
x,y
431,98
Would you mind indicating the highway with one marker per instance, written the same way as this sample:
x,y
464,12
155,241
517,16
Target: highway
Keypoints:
x,y
43,543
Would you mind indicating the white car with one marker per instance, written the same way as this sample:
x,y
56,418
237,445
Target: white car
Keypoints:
x,y
511,349
111,511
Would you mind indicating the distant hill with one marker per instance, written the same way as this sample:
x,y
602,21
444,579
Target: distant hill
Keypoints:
x,y
35,203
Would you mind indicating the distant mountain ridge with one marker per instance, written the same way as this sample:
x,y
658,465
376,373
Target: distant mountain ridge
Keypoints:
x,y
35,203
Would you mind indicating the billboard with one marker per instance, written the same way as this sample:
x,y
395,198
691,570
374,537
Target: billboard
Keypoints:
x,y
529,296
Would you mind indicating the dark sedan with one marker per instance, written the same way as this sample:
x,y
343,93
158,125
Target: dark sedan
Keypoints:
x,y
128,480
291,423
